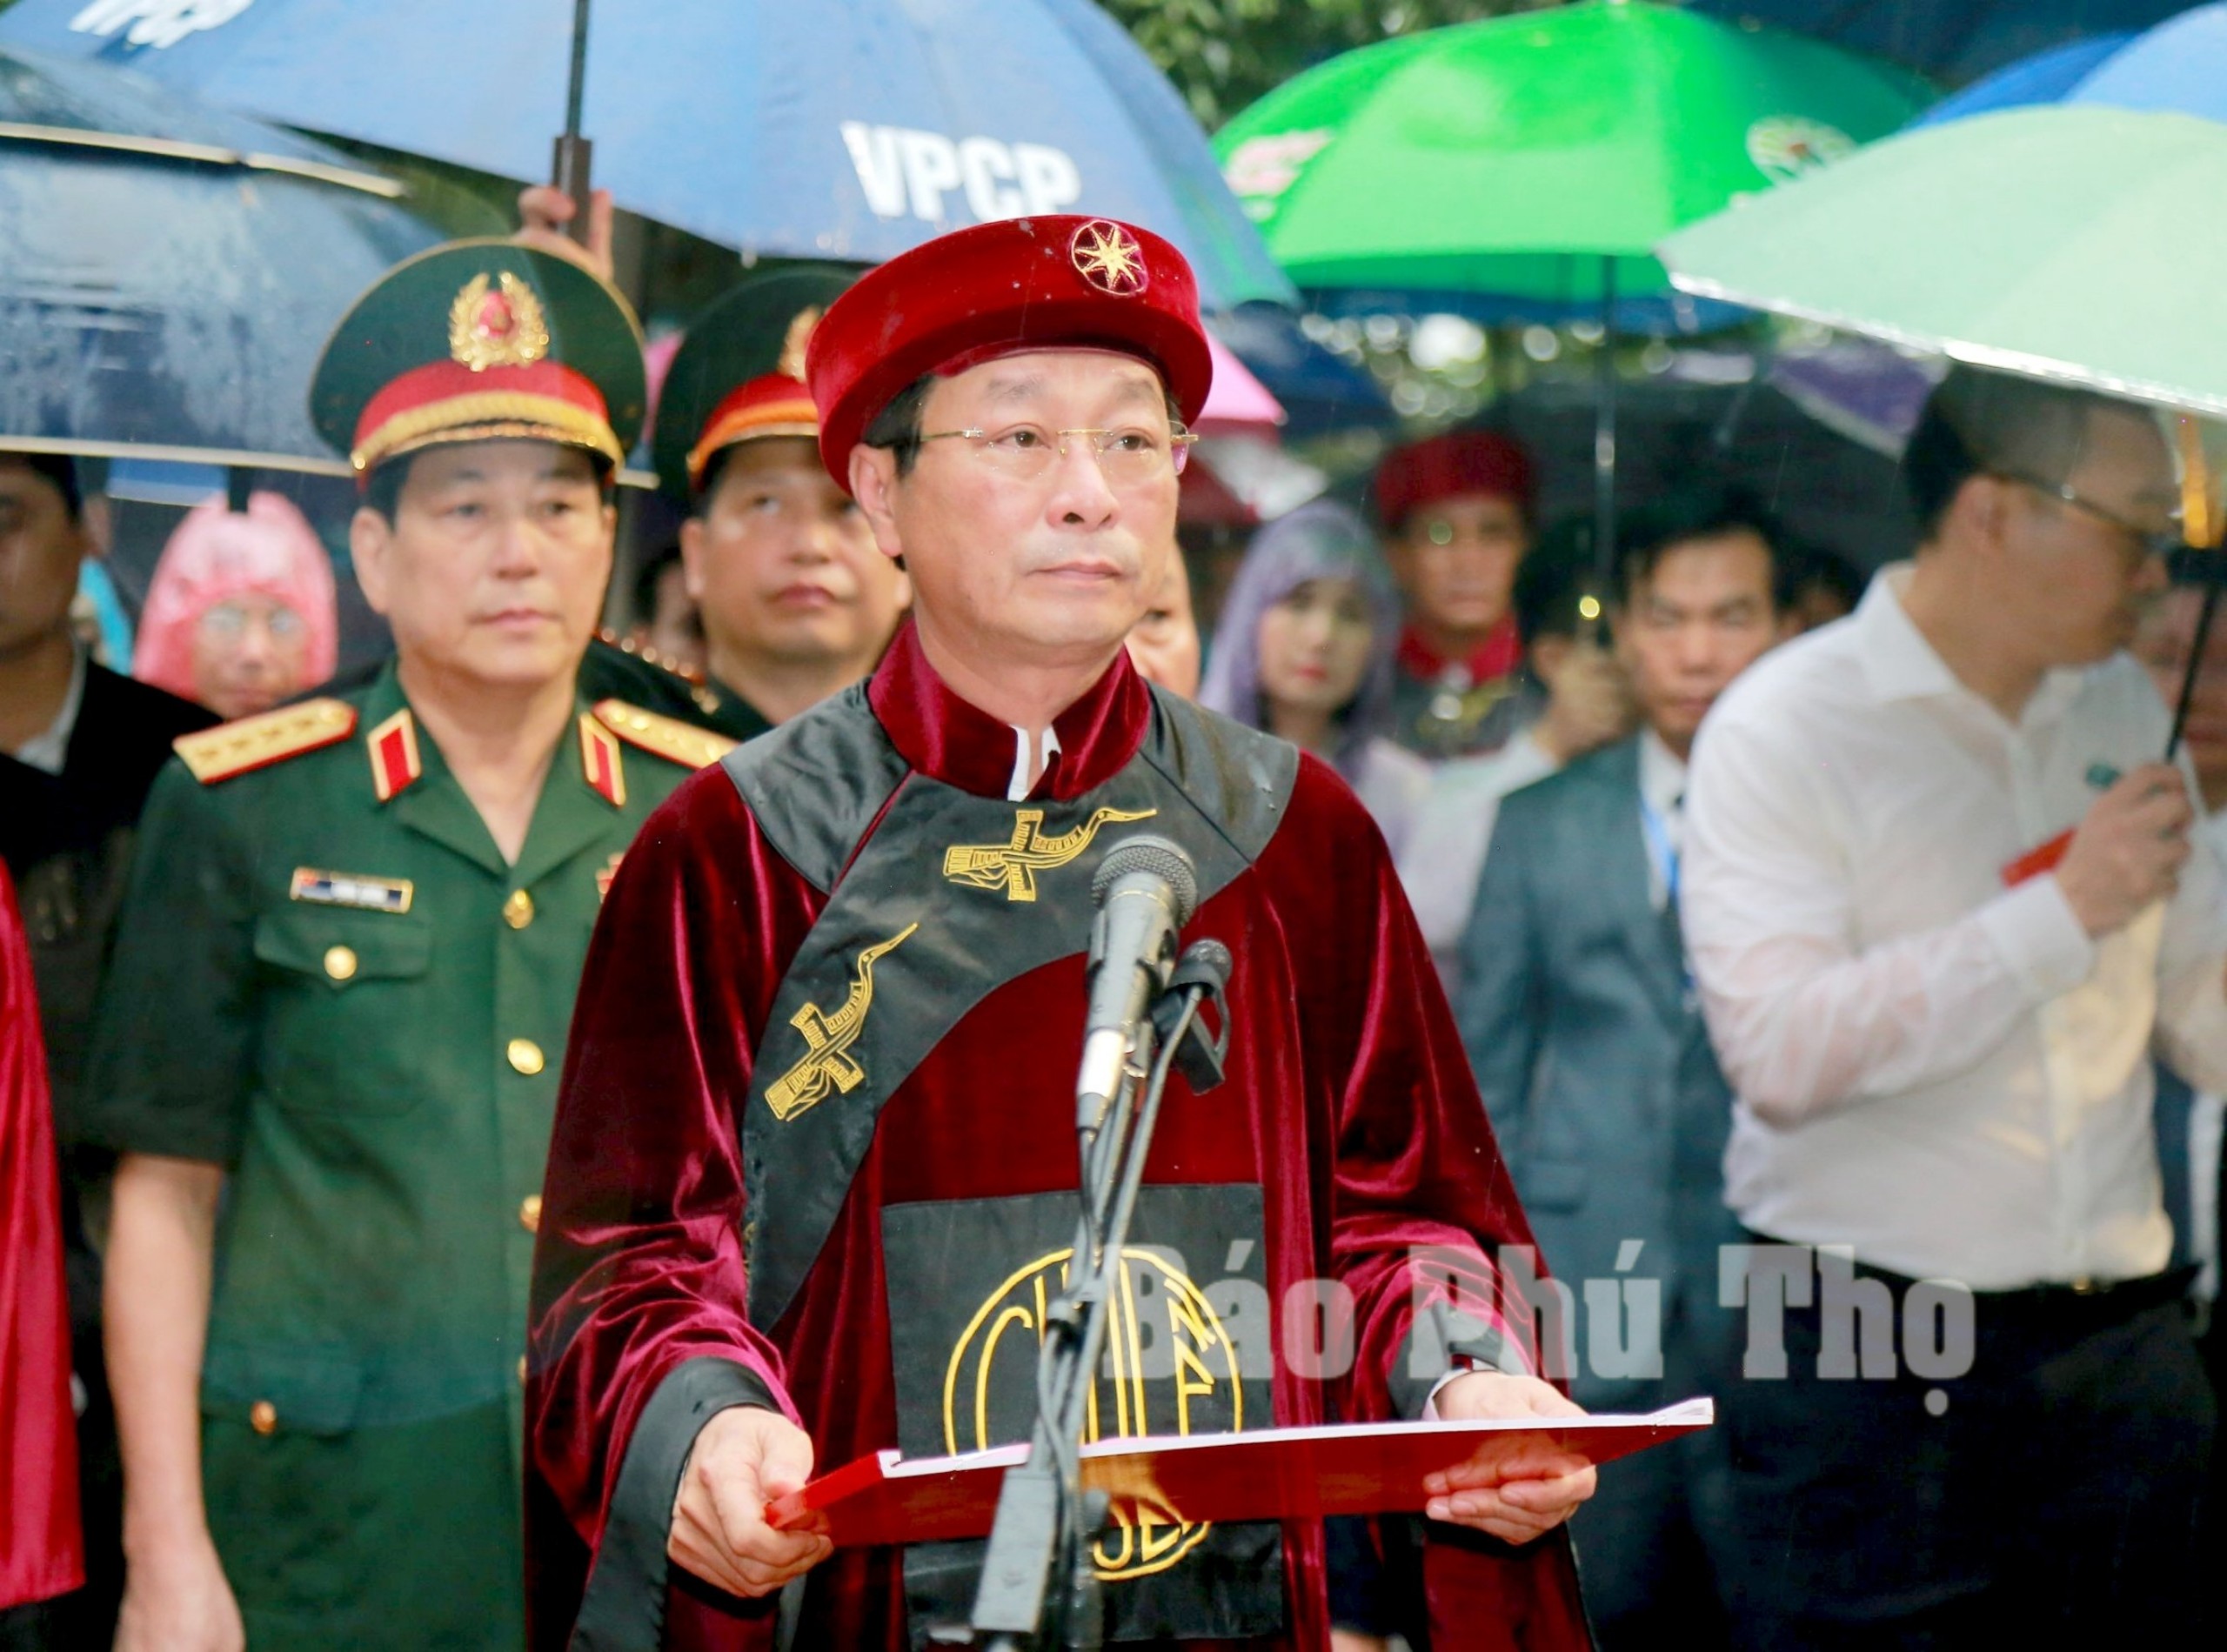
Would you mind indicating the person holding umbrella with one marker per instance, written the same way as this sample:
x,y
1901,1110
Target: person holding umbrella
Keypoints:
x,y
1986,1418
327,1046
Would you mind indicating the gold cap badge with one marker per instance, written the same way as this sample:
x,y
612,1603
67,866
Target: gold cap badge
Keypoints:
x,y
499,325
1108,256
799,340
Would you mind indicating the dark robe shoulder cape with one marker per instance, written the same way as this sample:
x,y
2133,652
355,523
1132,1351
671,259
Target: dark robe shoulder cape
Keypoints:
x,y
814,1151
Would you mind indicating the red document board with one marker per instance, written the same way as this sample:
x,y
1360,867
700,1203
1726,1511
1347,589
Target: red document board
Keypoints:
x,y
1271,1473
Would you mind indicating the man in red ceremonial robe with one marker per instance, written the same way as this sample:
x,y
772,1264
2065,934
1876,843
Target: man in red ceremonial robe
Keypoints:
x,y
42,1552
814,1165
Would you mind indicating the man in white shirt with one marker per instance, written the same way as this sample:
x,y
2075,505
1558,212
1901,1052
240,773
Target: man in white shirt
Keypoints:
x,y
1936,1009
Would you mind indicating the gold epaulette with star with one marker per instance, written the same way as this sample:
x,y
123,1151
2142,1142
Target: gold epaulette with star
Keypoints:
x,y
665,737
650,656
268,737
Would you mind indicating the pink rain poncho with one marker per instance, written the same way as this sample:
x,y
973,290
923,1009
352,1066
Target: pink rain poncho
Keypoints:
x,y
217,554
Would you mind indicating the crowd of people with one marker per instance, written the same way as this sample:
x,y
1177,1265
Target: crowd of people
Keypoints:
x,y
488,1126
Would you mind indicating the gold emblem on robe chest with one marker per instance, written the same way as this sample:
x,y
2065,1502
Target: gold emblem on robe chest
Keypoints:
x,y
828,1066
1013,865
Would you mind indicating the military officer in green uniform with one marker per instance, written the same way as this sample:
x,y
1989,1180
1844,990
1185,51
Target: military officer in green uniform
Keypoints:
x,y
796,604
329,1046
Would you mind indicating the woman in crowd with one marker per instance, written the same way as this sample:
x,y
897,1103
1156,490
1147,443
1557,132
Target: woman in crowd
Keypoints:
x,y
1164,645
240,615
1304,649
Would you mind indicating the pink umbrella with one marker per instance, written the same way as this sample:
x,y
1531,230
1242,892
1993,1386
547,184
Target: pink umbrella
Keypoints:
x,y
1239,405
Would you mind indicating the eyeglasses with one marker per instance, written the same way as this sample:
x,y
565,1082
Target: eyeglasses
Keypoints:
x,y
2147,541
1127,457
229,621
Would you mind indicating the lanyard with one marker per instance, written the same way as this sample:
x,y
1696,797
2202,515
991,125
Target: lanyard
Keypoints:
x,y
1660,850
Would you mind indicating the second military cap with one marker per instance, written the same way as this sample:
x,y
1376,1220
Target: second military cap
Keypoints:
x,y
481,341
738,375
1019,284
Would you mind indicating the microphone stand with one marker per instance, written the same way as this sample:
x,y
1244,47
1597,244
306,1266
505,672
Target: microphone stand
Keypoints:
x,y
1038,1588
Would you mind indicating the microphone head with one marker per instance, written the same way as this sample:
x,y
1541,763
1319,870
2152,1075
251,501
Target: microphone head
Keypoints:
x,y
1153,857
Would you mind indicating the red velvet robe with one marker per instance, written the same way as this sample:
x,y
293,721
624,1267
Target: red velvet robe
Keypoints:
x,y
42,1552
1349,1103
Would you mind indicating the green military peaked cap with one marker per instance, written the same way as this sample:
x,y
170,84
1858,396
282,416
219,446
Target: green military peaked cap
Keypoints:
x,y
738,375
478,341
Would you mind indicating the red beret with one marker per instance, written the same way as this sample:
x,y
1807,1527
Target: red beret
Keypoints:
x,y
1018,284
1446,467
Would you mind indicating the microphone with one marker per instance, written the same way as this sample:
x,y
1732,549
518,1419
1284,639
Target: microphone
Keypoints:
x,y
1146,890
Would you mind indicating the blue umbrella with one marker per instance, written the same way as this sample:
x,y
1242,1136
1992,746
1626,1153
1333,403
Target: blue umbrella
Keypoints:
x,y
843,129
1950,41
2045,78
2180,65
168,274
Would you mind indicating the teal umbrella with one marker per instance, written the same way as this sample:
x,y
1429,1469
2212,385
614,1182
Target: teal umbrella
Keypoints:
x,y
2068,242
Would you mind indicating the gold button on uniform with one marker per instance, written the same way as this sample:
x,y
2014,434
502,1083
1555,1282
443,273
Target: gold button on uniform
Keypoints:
x,y
525,1055
518,911
340,962
262,1417
521,1370
530,1213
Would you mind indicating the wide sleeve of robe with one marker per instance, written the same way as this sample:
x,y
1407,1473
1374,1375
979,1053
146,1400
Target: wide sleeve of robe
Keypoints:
x,y
42,1550
638,1273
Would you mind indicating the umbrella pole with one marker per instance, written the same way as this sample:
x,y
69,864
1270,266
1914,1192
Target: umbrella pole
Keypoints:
x,y
1604,439
2196,663
571,167
2199,524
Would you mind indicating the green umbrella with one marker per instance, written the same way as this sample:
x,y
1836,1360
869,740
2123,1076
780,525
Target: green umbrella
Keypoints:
x,y
1539,157
1514,156
2069,242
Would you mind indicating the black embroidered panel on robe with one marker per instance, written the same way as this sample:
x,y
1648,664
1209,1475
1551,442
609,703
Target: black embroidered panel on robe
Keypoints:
x,y
952,896
1186,1352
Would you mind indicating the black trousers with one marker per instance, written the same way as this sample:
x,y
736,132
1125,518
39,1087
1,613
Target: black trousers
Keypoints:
x,y
2057,1493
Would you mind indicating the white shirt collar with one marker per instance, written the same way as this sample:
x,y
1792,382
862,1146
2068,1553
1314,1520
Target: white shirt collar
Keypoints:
x,y
1025,771
49,749
1900,664
1662,776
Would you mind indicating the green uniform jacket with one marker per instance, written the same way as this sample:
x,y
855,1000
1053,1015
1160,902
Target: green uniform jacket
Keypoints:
x,y
353,1005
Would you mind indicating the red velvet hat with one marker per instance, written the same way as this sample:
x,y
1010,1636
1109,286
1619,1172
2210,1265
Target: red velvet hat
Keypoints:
x,y
1015,284
1448,465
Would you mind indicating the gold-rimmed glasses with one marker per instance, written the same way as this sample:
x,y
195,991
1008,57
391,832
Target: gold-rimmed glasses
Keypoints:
x,y
2145,540
1128,457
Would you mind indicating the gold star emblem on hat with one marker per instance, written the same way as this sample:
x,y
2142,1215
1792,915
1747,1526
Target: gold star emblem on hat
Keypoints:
x,y
1108,256
497,325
